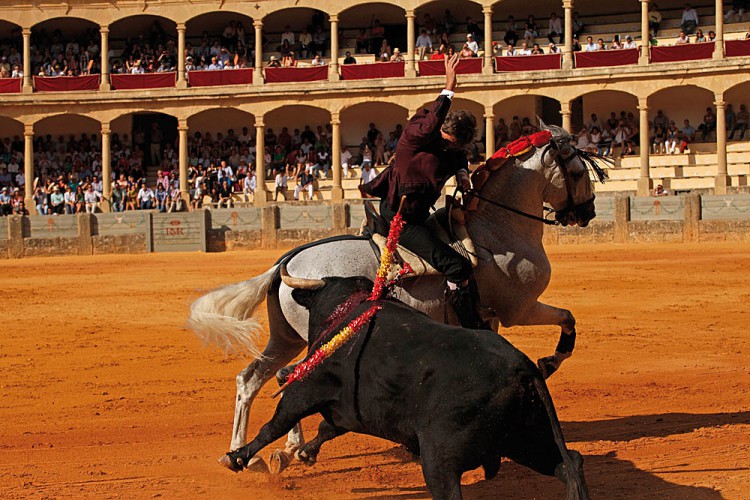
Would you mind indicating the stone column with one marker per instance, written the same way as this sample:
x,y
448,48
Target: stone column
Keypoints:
x,y
566,116
337,194
722,179
333,66
644,181
28,167
489,132
719,47
258,68
262,196
104,85
487,67
28,86
568,28
181,75
410,71
106,168
182,129
645,30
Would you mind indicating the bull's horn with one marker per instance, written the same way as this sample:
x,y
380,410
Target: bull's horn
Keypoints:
x,y
302,283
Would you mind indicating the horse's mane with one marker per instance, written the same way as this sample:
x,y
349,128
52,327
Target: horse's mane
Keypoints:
x,y
563,140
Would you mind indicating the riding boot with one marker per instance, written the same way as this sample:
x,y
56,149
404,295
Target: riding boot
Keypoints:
x,y
465,302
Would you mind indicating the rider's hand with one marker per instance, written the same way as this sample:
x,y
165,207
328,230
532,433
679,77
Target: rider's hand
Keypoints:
x,y
463,181
451,63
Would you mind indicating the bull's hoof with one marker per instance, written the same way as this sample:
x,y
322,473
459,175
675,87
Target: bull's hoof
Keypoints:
x,y
548,366
233,464
278,461
306,459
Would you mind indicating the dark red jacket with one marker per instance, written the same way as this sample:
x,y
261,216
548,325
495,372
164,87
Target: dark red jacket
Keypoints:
x,y
422,165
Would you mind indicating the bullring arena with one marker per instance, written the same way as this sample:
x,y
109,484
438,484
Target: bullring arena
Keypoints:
x,y
106,393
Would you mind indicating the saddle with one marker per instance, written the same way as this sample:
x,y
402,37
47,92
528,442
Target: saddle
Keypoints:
x,y
376,228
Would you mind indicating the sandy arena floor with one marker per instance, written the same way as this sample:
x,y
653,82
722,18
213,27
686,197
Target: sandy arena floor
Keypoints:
x,y
104,394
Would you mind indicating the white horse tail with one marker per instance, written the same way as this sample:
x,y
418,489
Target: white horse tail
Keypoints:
x,y
224,317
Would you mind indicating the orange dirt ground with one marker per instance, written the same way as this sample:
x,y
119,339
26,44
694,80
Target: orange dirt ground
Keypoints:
x,y
104,394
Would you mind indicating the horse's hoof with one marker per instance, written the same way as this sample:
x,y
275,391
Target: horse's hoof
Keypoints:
x,y
548,366
233,465
306,459
278,461
257,464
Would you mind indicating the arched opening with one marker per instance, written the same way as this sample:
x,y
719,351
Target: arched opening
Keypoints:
x,y
604,107
143,44
144,142
229,36
672,102
67,159
306,31
12,43
296,133
737,97
223,134
366,26
517,116
373,123
11,158
443,16
65,46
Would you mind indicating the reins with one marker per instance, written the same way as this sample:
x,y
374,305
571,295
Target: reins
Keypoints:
x,y
515,210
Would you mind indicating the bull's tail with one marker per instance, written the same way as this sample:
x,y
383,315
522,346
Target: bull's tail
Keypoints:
x,y
571,471
224,317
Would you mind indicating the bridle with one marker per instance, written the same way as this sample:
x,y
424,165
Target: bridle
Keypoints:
x,y
571,206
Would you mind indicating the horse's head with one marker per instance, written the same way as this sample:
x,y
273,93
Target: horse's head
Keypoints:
x,y
569,188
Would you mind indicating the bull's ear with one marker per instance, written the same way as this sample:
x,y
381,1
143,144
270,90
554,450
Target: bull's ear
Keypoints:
x,y
304,297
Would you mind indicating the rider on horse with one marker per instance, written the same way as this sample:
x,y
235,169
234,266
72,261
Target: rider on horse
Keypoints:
x,y
431,151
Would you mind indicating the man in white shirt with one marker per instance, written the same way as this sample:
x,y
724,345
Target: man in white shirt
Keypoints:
x,y
629,43
249,185
288,35
689,20
524,50
472,44
346,156
317,61
511,51
590,45
555,28
424,42
92,199
368,173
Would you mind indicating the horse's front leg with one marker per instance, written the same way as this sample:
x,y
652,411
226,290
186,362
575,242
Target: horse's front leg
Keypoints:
x,y
543,314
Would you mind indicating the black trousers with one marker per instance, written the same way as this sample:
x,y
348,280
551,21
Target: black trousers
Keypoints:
x,y
424,243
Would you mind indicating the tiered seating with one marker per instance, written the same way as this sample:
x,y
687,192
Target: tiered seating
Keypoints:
x,y
683,172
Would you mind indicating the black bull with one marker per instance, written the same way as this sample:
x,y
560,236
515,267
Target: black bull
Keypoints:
x,y
458,398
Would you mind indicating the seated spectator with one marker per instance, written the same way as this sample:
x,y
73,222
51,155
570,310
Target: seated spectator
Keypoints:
x,y
424,43
384,51
514,129
174,201
397,57
305,182
532,31
689,21
741,122
583,139
57,201
145,197
93,199
553,49
654,18
660,191
658,145
317,61
682,39
20,208
536,50
439,54
511,51
600,44
555,29
709,123
700,37
576,45
118,198
472,28
578,25
688,136
590,45
349,59
368,174
730,117
289,61
472,44
737,8
6,207
501,133
225,194
615,44
305,43
711,36
320,40
466,52
274,63
629,43
524,50
362,43
160,197
511,32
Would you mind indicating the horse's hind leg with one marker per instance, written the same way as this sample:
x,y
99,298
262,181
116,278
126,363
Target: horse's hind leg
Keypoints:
x,y
543,314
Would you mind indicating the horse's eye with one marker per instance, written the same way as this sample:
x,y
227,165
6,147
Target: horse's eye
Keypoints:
x,y
577,176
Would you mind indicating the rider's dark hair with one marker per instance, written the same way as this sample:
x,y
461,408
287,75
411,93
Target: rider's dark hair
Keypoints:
x,y
462,125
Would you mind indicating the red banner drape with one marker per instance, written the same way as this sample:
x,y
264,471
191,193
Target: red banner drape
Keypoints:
x,y
66,83
528,63
620,57
145,81
220,77
437,67
735,48
687,52
10,85
305,74
372,71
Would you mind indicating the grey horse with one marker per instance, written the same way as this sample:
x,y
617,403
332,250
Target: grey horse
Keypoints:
x,y
512,273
